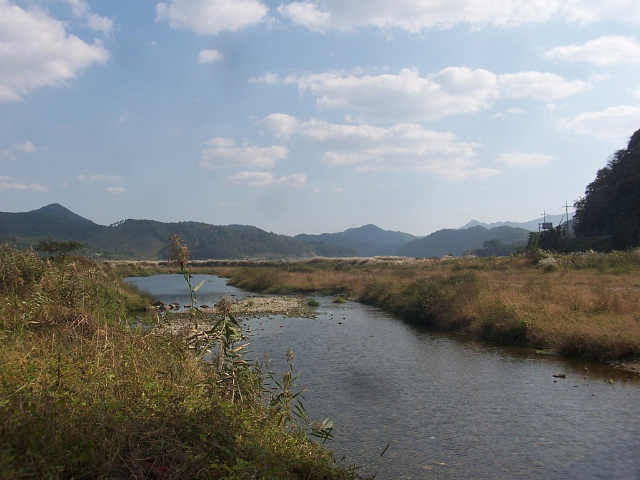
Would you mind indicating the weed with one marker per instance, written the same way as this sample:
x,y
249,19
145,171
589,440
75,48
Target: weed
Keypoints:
x,y
85,395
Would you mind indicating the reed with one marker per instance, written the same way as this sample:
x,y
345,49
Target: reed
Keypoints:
x,y
583,305
88,391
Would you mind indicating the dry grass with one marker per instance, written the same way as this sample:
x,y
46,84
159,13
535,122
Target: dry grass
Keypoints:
x,y
583,305
84,393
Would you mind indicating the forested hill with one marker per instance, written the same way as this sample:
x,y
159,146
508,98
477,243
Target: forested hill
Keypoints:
x,y
365,241
457,242
146,239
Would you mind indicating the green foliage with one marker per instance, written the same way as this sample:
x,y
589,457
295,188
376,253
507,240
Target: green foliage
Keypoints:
x,y
503,324
287,404
496,248
84,395
611,205
436,301
59,248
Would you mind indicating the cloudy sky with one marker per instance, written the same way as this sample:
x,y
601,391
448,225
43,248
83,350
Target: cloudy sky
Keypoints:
x,y
312,116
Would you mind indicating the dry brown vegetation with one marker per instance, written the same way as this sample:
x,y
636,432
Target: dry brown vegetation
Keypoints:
x,y
88,391
583,305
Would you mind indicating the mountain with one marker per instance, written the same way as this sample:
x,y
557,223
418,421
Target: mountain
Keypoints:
x,y
377,236
57,210
147,239
532,225
53,221
365,241
457,241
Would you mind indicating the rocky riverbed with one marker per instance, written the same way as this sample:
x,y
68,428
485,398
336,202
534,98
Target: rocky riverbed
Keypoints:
x,y
179,320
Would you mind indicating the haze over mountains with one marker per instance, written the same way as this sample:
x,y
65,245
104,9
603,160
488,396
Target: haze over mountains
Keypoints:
x,y
147,239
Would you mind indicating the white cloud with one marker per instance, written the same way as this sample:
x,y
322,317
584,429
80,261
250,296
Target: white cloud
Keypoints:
x,y
221,142
280,124
210,17
268,78
519,159
321,15
99,177
401,147
603,51
266,179
210,56
309,15
252,179
7,155
483,172
226,154
408,97
547,87
509,112
26,147
115,190
590,11
94,22
36,51
414,16
124,117
9,183
296,180
612,124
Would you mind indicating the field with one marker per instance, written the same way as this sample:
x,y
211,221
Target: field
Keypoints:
x,y
580,305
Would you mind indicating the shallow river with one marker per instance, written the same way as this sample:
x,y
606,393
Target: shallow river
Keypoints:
x,y
445,406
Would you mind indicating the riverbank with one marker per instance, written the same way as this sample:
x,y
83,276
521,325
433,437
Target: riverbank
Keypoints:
x,y
582,306
89,389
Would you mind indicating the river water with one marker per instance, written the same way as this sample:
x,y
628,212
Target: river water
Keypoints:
x,y
443,406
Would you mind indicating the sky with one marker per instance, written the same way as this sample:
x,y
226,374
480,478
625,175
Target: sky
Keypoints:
x,y
313,116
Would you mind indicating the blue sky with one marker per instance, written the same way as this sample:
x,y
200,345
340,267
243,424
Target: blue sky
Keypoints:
x,y
313,116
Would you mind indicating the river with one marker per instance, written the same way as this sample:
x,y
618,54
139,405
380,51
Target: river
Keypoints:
x,y
443,406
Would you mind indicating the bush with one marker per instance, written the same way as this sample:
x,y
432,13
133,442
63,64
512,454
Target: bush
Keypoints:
x,y
83,395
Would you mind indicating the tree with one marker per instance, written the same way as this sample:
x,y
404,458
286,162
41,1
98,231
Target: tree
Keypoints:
x,y
59,248
611,205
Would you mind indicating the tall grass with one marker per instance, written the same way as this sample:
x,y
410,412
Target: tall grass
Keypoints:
x,y
583,305
83,394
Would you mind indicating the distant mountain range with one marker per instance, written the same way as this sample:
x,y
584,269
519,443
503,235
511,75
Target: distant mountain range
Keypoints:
x,y
532,225
366,241
148,239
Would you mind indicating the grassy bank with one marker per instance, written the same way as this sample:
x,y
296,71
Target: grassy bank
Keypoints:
x,y
582,305
85,392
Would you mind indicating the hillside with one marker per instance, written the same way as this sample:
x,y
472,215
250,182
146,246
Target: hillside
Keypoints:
x,y
53,221
456,242
366,241
146,239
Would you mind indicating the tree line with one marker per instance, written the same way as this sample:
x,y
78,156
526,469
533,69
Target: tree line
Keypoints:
x,y
608,216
